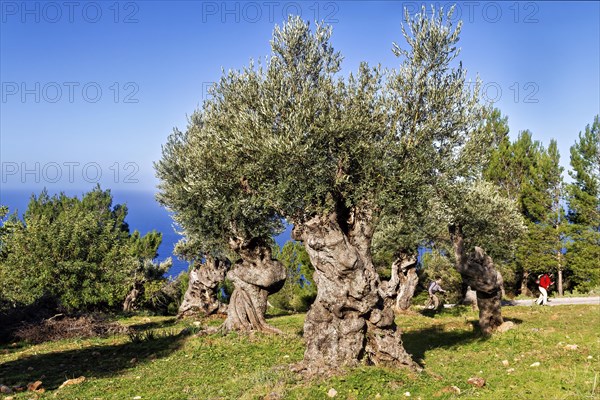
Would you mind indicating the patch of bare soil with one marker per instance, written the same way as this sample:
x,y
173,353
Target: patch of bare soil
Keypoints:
x,y
62,327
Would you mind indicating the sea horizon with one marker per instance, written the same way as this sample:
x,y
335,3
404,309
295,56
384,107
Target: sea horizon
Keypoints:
x,y
144,214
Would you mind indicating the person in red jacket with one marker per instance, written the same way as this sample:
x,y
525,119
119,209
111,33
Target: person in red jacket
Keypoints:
x,y
544,283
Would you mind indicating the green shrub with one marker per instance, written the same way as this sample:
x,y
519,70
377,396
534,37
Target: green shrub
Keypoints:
x,y
77,251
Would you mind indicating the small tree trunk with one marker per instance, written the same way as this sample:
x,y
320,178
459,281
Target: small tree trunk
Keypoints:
x,y
469,296
130,300
349,320
560,275
524,289
478,271
399,290
408,283
254,277
201,295
559,286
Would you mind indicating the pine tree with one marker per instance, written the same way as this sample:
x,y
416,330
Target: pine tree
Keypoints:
x,y
74,251
511,164
583,195
532,175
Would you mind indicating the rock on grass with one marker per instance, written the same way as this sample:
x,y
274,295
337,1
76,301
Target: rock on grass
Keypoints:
x,y
476,381
75,381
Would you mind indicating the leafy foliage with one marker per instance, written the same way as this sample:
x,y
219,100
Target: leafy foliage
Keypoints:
x,y
584,192
299,290
489,220
309,143
149,275
583,195
512,164
531,175
208,193
435,264
76,251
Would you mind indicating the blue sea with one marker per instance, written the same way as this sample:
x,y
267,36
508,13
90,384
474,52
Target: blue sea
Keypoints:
x,y
144,215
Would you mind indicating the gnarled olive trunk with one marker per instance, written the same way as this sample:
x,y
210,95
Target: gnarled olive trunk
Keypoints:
x,y
254,276
468,296
201,295
349,320
132,297
478,271
408,283
399,290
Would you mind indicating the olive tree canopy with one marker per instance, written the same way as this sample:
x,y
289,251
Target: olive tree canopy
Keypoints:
x,y
334,154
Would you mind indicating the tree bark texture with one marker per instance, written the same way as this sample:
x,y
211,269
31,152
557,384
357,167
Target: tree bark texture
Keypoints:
x,y
478,271
559,273
399,290
524,288
559,268
131,299
200,298
469,296
254,276
349,321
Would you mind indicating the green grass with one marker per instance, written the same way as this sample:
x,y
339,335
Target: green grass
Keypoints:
x,y
169,365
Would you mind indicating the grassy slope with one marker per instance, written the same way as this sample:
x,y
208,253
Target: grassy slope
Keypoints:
x,y
254,366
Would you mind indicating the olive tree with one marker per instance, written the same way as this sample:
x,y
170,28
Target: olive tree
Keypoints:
x,y
334,156
480,218
206,190
206,275
397,240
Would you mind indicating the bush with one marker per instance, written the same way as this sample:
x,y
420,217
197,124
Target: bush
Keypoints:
x,y
78,252
435,264
164,296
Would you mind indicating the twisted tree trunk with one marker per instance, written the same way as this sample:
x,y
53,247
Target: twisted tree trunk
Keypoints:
x,y
408,283
254,276
399,290
478,271
468,296
132,297
349,321
201,295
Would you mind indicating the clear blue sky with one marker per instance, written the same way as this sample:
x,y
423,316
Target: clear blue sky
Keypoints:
x,y
153,60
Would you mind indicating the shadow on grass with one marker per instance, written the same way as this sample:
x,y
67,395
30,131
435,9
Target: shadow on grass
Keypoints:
x,y
455,311
142,326
516,321
92,362
419,342
477,327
